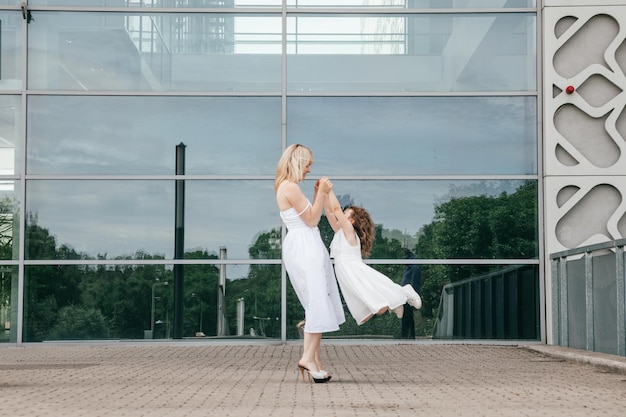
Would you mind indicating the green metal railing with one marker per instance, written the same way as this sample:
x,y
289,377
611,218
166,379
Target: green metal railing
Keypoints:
x,y
503,304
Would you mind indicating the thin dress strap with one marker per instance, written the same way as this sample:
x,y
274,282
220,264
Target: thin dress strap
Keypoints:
x,y
308,204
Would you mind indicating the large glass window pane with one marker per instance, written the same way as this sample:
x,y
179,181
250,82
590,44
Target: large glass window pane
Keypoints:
x,y
86,302
437,52
11,50
10,116
8,303
9,220
238,215
93,219
163,52
253,303
444,219
416,135
138,135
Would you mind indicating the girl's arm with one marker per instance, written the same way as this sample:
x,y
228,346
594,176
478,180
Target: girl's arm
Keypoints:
x,y
337,218
330,204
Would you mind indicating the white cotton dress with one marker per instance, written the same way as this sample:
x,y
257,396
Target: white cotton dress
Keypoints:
x,y
365,290
311,274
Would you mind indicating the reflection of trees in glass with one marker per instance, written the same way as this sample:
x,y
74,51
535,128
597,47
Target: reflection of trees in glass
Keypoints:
x,y
481,226
7,214
261,290
7,219
76,322
114,301
59,297
200,295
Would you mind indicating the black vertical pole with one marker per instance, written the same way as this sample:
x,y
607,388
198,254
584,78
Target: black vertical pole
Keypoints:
x,y
179,244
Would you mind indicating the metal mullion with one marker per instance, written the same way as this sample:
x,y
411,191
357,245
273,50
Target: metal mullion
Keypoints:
x,y
146,93
153,10
283,140
361,11
276,10
455,261
166,177
43,262
541,215
413,94
22,182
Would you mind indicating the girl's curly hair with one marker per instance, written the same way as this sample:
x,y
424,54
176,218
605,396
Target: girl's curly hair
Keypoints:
x,y
364,227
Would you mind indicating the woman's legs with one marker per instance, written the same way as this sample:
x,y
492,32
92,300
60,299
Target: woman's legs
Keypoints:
x,y
311,358
318,358
310,352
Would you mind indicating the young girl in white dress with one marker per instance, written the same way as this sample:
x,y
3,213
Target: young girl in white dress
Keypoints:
x,y
365,290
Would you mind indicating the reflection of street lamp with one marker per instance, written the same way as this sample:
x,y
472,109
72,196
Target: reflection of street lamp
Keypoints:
x,y
152,310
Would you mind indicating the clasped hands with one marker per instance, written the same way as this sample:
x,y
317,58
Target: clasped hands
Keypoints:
x,y
324,185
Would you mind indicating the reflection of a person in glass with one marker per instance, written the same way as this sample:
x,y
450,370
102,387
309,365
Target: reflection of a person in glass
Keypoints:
x,y
412,276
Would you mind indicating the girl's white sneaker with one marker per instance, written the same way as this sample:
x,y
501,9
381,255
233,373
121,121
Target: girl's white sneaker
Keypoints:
x,y
413,298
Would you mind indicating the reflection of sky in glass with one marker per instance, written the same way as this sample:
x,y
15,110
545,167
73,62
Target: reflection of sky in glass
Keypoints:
x,y
416,135
229,213
105,217
138,135
409,205
115,218
242,52
10,156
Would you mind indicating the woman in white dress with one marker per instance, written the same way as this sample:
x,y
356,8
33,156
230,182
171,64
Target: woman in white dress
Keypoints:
x,y
366,291
306,258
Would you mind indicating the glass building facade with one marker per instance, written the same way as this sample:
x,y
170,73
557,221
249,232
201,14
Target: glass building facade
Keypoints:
x,y
139,141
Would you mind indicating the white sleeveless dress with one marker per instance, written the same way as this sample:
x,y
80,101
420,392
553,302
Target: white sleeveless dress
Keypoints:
x,y
311,274
365,290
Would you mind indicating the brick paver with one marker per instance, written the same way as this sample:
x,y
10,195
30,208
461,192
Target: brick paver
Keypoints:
x,y
369,379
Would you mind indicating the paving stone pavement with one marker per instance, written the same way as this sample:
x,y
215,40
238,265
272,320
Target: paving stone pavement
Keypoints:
x,y
369,379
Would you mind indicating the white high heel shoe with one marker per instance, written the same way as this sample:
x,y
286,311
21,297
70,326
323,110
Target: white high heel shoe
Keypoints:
x,y
319,377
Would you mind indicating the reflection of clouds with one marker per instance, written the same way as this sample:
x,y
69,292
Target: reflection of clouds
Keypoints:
x,y
97,217
230,135
229,213
224,135
417,136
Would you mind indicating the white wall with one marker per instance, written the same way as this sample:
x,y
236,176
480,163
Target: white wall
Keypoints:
x,y
585,131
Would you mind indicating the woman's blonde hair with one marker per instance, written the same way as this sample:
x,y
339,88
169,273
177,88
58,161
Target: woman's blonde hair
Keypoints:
x,y
364,228
292,163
